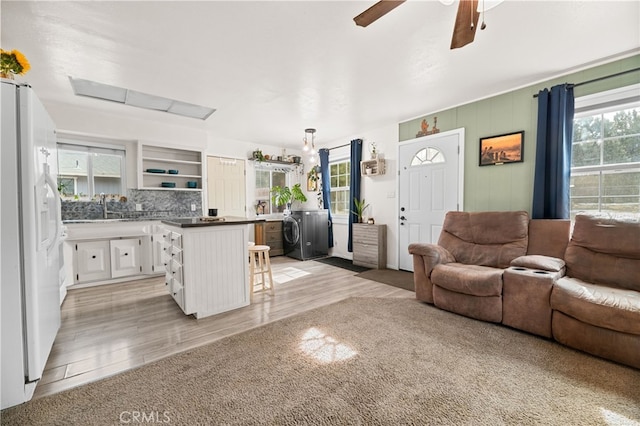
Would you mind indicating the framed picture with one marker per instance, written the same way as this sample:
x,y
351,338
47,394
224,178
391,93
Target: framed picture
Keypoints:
x,y
502,149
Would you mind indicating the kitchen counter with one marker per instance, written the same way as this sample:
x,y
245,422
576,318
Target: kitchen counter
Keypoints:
x,y
209,221
206,263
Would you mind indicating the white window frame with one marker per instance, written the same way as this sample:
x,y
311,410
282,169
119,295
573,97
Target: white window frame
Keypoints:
x,y
339,218
602,103
91,147
268,167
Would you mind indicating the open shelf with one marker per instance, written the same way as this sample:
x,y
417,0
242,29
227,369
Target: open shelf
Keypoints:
x,y
187,162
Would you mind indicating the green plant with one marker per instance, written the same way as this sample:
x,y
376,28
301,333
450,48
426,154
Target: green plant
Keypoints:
x,y
360,206
283,195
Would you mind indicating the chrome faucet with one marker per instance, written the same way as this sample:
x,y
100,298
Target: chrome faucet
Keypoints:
x,y
103,201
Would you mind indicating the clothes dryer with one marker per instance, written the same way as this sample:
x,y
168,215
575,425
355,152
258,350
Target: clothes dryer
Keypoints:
x,y
306,234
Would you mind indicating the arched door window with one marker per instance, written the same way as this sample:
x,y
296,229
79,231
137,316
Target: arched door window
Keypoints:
x,y
427,155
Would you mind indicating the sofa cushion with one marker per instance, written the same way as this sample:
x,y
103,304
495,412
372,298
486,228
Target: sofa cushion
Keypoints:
x,y
607,307
534,261
606,251
485,238
473,280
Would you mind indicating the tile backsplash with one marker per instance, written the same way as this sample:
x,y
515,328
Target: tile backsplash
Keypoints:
x,y
155,205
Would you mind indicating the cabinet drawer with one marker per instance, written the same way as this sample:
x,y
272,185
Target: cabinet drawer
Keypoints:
x,y
173,253
177,292
175,269
273,226
175,239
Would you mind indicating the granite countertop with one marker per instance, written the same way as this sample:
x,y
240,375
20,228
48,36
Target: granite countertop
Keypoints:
x,y
193,222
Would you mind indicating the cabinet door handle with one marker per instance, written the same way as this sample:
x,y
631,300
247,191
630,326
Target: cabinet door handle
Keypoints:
x,y
126,254
93,257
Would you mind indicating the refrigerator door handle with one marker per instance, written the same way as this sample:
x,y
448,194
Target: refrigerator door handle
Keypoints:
x,y
56,195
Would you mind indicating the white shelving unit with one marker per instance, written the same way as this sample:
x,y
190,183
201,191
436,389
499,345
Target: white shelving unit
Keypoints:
x,y
187,162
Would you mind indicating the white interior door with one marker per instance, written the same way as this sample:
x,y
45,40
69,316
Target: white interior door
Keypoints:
x,y
431,176
226,186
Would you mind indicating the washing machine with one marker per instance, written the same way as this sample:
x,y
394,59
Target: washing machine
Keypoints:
x,y
306,234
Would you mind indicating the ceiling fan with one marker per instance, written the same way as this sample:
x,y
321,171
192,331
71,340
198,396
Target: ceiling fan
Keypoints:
x,y
464,29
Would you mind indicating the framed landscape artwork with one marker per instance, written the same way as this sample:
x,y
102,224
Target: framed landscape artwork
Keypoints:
x,y
502,149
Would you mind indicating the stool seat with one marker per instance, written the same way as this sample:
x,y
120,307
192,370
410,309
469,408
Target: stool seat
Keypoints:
x,y
260,264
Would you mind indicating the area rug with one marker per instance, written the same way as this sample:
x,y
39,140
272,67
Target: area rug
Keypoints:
x,y
361,361
400,279
341,263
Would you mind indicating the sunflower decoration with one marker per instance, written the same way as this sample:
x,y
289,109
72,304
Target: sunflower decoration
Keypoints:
x,y
13,62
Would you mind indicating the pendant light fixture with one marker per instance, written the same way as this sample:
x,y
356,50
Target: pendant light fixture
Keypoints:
x,y
310,143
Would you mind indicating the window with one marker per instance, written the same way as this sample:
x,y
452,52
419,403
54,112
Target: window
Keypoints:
x,y
605,158
427,155
267,178
340,177
86,171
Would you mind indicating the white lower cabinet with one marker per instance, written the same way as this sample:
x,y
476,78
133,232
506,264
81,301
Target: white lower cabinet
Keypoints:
x,y
125,257
92,261
107,259
173,268
157,253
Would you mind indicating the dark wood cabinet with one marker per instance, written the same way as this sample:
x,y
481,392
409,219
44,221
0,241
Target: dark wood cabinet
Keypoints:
x,y
270,234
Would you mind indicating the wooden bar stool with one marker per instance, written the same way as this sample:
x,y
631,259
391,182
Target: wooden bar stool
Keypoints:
x,y
259,263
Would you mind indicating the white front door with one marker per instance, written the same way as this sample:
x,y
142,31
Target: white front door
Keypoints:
x,y
226,186
431,176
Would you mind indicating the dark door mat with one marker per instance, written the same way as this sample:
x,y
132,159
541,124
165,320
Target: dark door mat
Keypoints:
x,y
400,279
342,263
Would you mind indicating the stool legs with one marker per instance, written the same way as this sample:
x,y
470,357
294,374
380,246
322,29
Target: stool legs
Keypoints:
x,y
260,263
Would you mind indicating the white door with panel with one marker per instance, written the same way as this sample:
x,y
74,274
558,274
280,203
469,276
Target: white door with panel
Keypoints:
x,y
125,257
226,186
430,184
92,261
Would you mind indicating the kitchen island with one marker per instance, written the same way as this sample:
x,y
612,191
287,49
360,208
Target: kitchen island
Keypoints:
x,y
206,261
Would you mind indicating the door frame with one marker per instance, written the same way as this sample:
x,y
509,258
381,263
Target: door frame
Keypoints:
x,y
461,165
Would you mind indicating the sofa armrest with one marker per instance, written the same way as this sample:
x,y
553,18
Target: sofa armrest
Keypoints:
x,y
433,253
544,263
425,258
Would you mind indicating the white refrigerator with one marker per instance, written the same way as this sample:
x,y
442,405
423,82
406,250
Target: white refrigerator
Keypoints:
x,y
31,242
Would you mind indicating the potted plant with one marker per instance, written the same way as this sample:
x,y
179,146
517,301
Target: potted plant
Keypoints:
x,y
360,206
283,195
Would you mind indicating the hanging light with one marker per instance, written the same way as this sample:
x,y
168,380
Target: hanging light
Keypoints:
x,y
309,146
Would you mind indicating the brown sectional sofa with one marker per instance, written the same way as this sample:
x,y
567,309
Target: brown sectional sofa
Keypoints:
x,y
503,267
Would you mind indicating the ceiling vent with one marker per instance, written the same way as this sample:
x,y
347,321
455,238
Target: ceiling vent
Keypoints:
x,y
124,96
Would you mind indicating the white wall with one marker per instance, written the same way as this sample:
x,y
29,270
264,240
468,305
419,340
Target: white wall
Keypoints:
x,y
379,192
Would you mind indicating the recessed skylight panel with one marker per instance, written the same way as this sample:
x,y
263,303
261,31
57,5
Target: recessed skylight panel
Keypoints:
x,y
124,96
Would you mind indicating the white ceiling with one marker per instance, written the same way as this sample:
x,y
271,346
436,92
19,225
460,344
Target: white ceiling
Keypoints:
x,y
274,68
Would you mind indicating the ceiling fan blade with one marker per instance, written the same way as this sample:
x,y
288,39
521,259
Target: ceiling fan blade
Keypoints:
x,y
464,29
376,11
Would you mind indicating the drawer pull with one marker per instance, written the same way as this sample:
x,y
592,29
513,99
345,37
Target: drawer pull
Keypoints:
x,y
93,257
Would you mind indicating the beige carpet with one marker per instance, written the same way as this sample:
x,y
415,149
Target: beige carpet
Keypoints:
x,y
360,361
401,279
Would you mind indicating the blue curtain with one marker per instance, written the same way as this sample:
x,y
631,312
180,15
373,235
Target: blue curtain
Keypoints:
x,y
354,186
553,153
326,188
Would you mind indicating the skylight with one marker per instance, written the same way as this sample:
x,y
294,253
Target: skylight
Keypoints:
x,y
124,96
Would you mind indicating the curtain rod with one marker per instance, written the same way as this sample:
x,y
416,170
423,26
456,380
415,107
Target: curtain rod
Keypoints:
x,y
339,146
600,78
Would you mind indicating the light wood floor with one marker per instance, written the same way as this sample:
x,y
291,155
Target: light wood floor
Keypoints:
x,y
113,328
